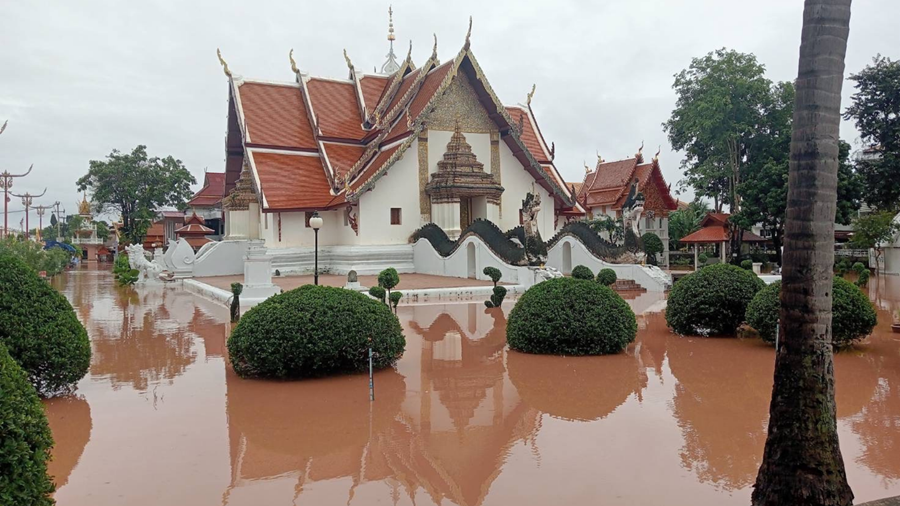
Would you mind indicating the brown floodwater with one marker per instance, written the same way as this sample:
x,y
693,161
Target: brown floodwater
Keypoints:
x,y
162,418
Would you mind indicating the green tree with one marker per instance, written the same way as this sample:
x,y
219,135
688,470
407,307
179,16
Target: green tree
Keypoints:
x,y
873,231
802,463
73,224
686,221
875,108
103,230
136,186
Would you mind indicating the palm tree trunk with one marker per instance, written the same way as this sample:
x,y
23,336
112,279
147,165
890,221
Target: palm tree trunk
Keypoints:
x,y
802,463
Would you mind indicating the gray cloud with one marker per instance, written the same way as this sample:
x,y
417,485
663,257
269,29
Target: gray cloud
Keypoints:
x,y
79,79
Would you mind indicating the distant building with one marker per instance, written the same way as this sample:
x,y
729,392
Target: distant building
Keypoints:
x,y
207,202
85,236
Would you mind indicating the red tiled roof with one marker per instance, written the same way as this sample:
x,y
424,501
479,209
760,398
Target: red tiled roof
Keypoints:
x,y
529,133
713,218
292,181
373,168
372,88
613,174
429,87
194,225
706,234
212,192
408,80
334,104
342,156
276,115
196,242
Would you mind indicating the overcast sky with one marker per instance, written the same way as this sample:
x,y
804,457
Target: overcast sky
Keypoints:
x,y
78,79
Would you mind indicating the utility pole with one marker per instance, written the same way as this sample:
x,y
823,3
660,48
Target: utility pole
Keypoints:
x,y
41,210
27,200
58,217
6,182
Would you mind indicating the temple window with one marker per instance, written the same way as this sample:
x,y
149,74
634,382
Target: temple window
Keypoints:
x,y
395,216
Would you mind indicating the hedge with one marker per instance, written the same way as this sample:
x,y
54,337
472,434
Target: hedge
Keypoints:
x,y
606,277
853,316
39,328
26,439
712,301
582,272
314,331
568,316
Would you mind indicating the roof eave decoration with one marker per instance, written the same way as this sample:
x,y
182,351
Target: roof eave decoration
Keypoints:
x,y
374,119
223,63
357,86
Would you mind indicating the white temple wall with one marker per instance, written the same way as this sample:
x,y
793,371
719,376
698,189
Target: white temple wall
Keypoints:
x,y
295,233
517,182
399,188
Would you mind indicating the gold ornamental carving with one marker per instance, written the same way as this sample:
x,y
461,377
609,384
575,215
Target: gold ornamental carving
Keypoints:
x,y
460,103
424,200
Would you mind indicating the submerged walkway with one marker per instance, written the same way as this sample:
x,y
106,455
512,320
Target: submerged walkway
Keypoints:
x,y
407,281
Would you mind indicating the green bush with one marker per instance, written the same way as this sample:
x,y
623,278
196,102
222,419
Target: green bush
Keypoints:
x,y
567,316
497,297
378,292
51,261
853,316
711,301
747,265
702,258
863,279
388,279
606,277
40,329
653,246
123,272
26,439
314,331
582,272
395,299
842,267
858,267
493,273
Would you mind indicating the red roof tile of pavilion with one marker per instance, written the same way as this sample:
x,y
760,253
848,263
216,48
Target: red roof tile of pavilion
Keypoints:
x,y
212,192
714,230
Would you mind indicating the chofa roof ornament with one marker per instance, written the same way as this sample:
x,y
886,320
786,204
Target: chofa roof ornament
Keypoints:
x,y
223,62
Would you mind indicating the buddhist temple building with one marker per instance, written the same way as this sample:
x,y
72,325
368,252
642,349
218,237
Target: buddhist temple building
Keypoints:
x,y
379,155
85,234
207,202
605,190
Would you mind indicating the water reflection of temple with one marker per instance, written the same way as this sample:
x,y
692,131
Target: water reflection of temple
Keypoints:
x,y
441,426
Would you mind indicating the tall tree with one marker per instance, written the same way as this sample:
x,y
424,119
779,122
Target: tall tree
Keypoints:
x,y
686,221
876,109
874,231
722,101
137,186
802,462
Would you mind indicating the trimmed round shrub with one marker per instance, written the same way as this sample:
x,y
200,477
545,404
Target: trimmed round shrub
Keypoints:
x,y
702,258
653,246
40,330
606,277
315,331
388,278
712,301
378,292
863,279
853,316
582,272
858,267
567,316
25,448
493,273
747,265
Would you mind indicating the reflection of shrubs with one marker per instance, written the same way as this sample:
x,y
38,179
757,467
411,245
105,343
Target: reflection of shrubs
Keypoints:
x,y
25,448
712,300
853,315
606,277
566,316
582,272
314,331
40,329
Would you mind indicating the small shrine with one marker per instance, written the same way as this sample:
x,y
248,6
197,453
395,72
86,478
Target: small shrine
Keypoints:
x,y
195,231
85,234
461,190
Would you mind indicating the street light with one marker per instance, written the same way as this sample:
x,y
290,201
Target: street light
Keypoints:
x,y
315,221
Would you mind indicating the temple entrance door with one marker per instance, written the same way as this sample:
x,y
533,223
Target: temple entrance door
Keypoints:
x,y
470,260
567,258
465,213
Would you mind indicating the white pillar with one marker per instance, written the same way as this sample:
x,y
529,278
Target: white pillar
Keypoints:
x,y
696,260
722,252
257,275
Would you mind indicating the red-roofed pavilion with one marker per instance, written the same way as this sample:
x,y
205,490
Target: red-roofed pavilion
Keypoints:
x,y
714,230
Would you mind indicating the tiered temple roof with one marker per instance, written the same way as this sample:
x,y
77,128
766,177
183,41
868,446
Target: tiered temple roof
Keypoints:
x,y
318,143
609,182
212,192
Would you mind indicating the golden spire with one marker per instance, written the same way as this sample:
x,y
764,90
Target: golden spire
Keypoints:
x,y
84,207
530,95
222,61
294,64
391,23
468,35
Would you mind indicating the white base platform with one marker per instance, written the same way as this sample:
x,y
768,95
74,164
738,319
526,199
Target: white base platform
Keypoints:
x,y
365,260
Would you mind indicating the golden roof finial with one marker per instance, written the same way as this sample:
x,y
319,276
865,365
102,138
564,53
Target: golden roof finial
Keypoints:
x,y
599,158
640,151
390,23
658,151
587,169
84,207
347,59
293,63
468,35
2,128
409,53
530,95
434,48
222,61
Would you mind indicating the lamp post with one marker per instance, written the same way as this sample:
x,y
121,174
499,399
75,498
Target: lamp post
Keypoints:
x,y
315,221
